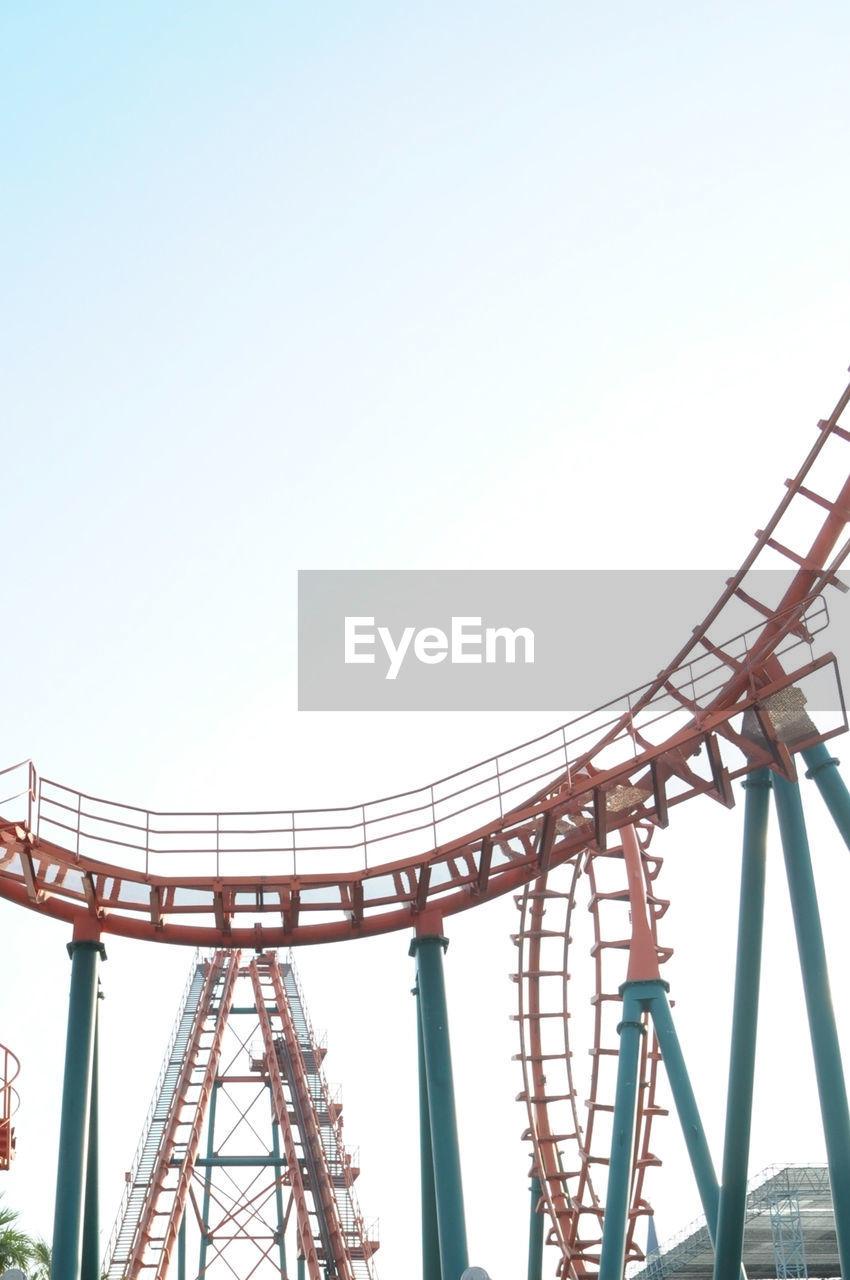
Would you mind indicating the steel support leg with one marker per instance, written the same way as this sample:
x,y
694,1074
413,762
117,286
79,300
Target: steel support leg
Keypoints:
x,y
207,1197
823,769
824,1035
536,1226
686,1106
445,1151
732,1201
430,1230
76,1111
181,1249
613,1258
90,1269
278,1195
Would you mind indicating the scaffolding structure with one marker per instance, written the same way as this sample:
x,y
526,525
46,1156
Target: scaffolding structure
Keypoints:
x,y
242,1138
789,1232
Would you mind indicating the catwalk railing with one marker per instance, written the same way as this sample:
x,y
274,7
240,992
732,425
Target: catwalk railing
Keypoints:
x,y
338,872
368,836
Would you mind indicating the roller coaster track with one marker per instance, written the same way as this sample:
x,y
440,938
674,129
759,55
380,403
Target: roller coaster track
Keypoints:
x,y
719,709
570,1116
132,1235
570,1138
581,801
234,1184
569,1113
9,1070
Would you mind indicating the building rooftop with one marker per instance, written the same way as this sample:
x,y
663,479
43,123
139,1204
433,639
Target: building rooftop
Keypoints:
x,y
789,1231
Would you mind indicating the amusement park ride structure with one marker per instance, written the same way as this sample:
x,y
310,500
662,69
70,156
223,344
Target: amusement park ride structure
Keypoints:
x,y
573,811
9,1069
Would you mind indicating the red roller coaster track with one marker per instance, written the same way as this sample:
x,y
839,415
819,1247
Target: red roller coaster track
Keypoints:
x,y
9,1069
718,710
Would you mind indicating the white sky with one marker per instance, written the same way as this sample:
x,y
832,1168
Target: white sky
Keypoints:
x,y
391,286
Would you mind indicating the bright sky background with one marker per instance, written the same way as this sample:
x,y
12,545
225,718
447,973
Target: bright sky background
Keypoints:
x,y
377,285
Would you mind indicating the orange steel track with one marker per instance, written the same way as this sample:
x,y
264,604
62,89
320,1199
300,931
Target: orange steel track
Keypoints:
x,y
718,710
9,1069
571,1113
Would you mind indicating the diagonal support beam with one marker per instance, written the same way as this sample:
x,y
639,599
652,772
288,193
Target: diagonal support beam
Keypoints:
x,y
823,769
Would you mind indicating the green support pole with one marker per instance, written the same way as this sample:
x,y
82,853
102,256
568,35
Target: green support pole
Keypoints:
x,y
76,1108
822,1029
631,1030
535,1233
90,1269
823,769
205,1209
732,1201
278,1194
181,1249
686,1105
451,1223
300,1270
430,1230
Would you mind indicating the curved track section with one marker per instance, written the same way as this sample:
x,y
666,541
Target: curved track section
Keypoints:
x,y
578,921
719,709
9,1070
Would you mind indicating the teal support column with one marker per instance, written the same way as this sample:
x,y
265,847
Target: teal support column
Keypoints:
x,y
90,1269
445,1151
76,1110
732,1203
690,1121
823,769
536,1225
631,1030
206,1202
181,1249
687,1110
300,1268
430,1231
822,1029
278,1195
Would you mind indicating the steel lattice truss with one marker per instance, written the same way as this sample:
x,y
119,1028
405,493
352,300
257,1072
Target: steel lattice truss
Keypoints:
x,y
812,1238
242,1135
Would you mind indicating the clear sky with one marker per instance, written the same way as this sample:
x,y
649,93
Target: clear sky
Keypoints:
x,y
387,286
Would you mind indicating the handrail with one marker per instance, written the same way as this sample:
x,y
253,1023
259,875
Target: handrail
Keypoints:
x,y
500,780
371,867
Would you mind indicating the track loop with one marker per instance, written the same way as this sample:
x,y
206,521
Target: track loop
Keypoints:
x,y
579,921
9,1070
